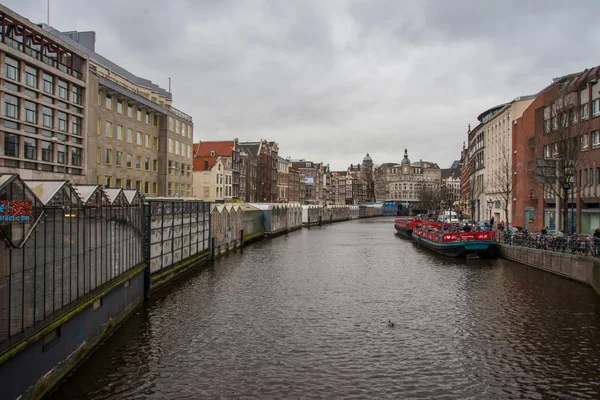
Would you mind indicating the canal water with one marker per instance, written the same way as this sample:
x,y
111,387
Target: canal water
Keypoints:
x,y
306,316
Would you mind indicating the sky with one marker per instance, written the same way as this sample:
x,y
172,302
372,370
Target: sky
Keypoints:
x,y
332,80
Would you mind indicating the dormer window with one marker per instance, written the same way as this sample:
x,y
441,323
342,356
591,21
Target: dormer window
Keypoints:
x,y
212,153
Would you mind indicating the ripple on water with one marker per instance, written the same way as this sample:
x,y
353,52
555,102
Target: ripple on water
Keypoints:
x,y
307,317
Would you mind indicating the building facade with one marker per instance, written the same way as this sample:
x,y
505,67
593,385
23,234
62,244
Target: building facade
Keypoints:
x,y
294,183
283,180
261,170
408,181
205,155
43,96
311,175
136,138
214,183
451,184
465,189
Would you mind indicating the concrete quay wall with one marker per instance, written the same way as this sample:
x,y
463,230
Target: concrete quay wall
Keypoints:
x,y
579,268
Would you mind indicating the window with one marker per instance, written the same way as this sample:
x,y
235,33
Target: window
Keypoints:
x,y
154,188
146,187
147,117
183,127
189,131
99,126
212,153
31,76
138,185
62,121
120,107
47,153
596,139
128,184
63,90
189,151
155,143
77,91
119,132
108,182
177,125
30,112
12,68
119,160
155,165
177,147
584,142
128,161
48,83
584,111
595,107
100,97
108,102
99,155
138,138
146,163
119,183
129,136
108,129
29,149
170,127
573,116
75,125
138,114
138,162
76,156
129,111
171,145
107,156
554,123
156,120
47,117
11,145
147,140
11,107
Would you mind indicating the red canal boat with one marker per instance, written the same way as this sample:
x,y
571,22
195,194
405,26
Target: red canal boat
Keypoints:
x,y
453,243
405,226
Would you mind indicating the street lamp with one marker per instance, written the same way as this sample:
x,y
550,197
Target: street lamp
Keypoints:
x,y
56,140
569,186
490,204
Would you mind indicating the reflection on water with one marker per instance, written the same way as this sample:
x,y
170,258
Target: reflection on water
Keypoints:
x,y
305,315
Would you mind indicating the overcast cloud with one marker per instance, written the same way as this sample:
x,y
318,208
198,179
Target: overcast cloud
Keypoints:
x,y
332,80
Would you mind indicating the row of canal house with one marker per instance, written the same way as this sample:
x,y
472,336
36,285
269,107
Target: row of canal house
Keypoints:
x,y
535,161
557,147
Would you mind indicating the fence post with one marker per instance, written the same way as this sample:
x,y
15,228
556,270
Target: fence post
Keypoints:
x,y
242,240
212,249
147,210
320,220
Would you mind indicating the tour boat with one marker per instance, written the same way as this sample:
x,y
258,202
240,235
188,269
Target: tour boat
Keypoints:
x,y
405,226
477,244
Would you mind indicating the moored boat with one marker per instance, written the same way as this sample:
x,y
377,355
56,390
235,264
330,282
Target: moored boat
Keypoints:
x,y
405,226
454,243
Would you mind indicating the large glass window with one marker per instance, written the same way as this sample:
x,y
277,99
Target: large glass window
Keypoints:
x,y
119,132
63,90
29,148
77,92
76,156
30,112
62,121
48,83
76,125
108,129
129,135
129,110
47,151
47,117
595,107
31,76
11,145
12,68
138,162
11,106
138,138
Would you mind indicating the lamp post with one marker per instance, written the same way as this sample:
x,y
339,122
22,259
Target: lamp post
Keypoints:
x,y
490,204
569,186
56,140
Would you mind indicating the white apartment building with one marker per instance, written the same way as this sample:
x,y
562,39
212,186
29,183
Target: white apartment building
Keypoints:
x,y
215,184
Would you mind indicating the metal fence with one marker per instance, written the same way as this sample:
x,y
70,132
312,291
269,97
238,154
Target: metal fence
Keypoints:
x,y
179,229
78,239
584,245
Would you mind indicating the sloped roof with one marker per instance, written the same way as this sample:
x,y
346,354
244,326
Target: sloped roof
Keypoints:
x,y
202,152
455,164
451,173
250,147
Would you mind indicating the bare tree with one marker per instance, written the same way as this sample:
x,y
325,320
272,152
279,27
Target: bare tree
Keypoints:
x,y
430,198
477,186
375,182
561,151
502,181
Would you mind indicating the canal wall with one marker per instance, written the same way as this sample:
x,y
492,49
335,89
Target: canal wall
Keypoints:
x,y
579,268
81,258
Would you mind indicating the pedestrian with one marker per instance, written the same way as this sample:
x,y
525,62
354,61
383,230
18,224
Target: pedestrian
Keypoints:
x,y
597,242
492,222
545,230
